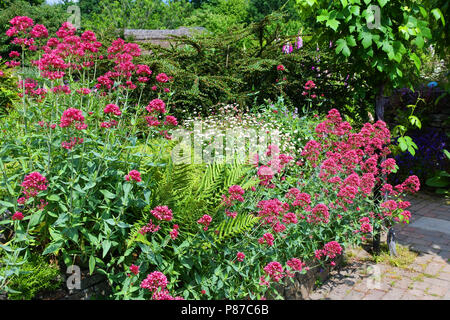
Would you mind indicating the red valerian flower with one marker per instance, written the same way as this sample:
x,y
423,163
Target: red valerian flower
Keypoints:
x,y
205,221
411,184
240,256
236,192
171,120
162,213
162,77
174,232
274,270
134,269
156,105
296,264
112,108
154,281
73,116
280,67
33,184
133,175
267,238
18,216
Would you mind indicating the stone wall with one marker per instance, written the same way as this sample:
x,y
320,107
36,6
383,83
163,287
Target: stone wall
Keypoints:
x,y
161,37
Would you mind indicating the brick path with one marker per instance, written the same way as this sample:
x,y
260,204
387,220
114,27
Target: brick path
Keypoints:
x,y
427,278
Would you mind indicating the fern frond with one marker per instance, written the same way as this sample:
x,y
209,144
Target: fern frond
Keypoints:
x,y
231,228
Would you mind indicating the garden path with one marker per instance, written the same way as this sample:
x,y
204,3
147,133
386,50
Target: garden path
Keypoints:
x,y
426,276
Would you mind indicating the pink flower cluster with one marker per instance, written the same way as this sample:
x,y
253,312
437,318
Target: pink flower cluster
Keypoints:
x,y
174,232
74,117
18,216
25,32
150,227
34,183
69,145
112,108
330,250
162,213
133,175
156,282
240,256
205,221
274,270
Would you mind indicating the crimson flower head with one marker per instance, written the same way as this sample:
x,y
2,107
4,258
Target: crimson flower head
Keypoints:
x,y
134,269
205,221
240,256
162,213
112,108
73,116
156,105
39,31
33,184
133,175
20,24
280,67
162,77
274,270
18,216
154,281
171,120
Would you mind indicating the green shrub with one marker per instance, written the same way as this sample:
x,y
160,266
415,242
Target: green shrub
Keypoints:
x,y
38,275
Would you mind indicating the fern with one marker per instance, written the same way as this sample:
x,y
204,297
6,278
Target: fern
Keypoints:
x,y
233,227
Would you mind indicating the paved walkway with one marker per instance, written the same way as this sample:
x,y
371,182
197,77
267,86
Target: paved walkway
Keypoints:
x,y
426,277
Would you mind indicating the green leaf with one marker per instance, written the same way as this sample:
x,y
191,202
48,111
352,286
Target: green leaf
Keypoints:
x,y
423,11
54,198
6,204
91,264
310,2
106,245
333,24
438,15
419,41
415,121
366,38
382,2
416,60
52,247
35,219
447,154
354,10
351,41
107,194
402,144
438,182
342,47
71,233
6,248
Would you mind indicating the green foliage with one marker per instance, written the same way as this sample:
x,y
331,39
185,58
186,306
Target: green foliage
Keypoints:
x,y
241,66
38,275
218,16
193,190
140,14
8,90
384,42
231,228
